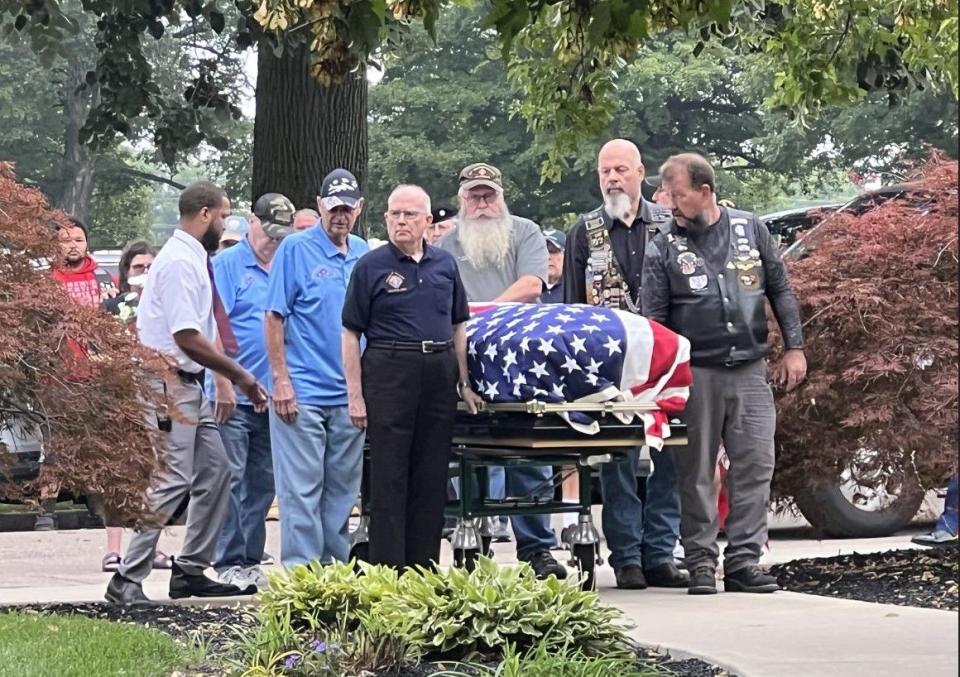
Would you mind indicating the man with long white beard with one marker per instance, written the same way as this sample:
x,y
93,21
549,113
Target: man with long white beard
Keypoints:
x,y
503,258
602,267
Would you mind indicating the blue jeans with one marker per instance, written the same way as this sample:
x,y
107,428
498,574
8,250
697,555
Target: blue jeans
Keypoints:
x,y
533,532
317,461
948,520
246,438
637,533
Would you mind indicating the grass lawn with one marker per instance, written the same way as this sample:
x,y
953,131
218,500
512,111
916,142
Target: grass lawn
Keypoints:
x,y
68,646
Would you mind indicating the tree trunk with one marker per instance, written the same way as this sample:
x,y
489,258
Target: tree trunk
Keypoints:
x,y
304,130
77,173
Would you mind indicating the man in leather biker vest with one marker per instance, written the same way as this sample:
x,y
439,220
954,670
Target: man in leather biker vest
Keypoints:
x,y
602,266
709,277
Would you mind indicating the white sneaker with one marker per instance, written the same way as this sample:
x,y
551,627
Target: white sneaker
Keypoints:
x,y
233,576
255,576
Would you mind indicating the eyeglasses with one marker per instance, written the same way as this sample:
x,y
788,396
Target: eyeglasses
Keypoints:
x,y
488,198
395,214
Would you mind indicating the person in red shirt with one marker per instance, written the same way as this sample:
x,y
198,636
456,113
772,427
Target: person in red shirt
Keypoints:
x,y
87,283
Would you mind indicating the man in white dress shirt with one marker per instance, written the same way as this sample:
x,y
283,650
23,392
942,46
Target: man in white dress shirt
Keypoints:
x,y
178,316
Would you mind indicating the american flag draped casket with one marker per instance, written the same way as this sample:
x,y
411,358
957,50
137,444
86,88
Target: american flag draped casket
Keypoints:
x,y
559,353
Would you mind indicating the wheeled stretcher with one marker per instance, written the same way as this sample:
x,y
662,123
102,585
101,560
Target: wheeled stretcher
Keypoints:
x,y
528,435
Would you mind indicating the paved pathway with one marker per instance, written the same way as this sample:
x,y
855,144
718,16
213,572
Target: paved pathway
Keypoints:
x,y
754,636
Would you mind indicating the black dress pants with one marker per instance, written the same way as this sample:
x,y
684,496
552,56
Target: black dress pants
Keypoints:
x,y
411,402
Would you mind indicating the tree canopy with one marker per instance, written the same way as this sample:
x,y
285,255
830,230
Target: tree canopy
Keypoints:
x,y
442,104
566,56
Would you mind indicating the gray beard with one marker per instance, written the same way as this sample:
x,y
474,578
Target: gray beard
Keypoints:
x,y
617,205
485,242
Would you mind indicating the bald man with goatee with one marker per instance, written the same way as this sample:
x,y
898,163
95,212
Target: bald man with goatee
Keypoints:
x,y
641,537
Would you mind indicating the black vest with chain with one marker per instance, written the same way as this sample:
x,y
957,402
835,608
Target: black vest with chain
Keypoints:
x,y
606,285
721,312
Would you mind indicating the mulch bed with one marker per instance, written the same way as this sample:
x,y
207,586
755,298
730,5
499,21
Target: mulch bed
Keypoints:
x,y
215,625
925,578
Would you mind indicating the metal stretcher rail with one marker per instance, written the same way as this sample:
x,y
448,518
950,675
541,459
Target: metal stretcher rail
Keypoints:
x,y
538,408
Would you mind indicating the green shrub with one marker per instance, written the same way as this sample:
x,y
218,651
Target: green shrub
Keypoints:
x,y
562,662
445,614
456,612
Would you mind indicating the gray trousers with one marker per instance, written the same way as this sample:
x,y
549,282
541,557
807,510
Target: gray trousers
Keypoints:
x,y
196,465
734,406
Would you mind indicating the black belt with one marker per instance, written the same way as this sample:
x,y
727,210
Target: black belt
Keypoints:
x,y
191,376
419,346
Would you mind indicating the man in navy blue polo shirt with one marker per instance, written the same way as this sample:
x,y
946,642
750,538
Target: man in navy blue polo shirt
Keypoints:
x,y
317,451
241,274
407,299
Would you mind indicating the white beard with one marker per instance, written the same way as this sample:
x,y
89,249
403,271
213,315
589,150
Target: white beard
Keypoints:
x,y
486,242
618,205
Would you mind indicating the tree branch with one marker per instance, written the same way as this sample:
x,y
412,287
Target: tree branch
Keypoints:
x,y
151,177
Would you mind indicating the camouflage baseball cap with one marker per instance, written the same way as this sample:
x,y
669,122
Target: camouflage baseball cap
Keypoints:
x,y
481,174
275,212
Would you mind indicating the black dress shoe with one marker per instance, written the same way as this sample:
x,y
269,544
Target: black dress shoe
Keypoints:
x,y
183,584
749,579
124,592
544,565
703,580
666,575
630,577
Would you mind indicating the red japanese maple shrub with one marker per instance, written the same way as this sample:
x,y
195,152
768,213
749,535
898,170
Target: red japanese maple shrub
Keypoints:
x,y
72,374
878,293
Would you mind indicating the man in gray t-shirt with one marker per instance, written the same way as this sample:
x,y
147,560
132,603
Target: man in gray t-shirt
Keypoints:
x,y
503,258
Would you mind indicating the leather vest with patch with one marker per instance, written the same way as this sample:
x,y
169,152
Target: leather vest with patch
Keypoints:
x,y
721,312
606,285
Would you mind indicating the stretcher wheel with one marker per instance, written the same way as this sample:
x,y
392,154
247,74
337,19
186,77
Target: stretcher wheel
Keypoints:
x,y
360,552
465,558
586,563
485,547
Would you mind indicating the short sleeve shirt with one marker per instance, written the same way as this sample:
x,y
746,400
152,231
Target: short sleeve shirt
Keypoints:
x,y
527,256
177,296
307,286
392,297
242,286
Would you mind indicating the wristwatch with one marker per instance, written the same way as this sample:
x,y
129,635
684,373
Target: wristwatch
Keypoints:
x,y
460,386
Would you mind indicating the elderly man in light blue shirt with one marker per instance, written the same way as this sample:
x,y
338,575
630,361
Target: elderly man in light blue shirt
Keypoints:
x,y
241,273
317,451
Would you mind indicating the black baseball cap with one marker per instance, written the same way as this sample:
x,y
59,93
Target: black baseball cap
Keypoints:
x,y
339,187
443,214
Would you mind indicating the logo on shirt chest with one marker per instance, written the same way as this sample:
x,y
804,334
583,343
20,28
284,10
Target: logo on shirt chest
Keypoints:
x,y
394,282
322,271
